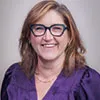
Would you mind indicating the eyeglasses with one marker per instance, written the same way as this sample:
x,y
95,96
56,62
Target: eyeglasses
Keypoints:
x,y
55,29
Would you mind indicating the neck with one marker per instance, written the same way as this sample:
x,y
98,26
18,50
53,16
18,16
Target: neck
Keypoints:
x,y
49,69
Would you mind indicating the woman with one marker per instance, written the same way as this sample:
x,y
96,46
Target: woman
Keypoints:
x,y
53,65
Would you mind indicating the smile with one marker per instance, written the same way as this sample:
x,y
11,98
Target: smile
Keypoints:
x,y
49,45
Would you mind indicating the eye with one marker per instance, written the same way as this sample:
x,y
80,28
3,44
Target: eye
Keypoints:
x,y
39,28
57,28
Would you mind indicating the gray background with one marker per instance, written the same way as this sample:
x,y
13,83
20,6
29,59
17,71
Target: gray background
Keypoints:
x,y
13,12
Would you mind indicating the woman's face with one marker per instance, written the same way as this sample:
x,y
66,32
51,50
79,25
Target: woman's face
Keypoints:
x,y
49,47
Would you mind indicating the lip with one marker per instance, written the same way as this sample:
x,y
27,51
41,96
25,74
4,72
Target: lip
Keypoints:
x,y
51,45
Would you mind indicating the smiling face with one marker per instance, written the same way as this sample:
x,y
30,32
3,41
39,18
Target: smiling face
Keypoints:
x,y
49,47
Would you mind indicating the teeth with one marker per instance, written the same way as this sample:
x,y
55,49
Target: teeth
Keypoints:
x,y
48,45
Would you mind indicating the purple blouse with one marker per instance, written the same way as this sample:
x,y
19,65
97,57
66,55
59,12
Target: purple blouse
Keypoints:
x,y
83,84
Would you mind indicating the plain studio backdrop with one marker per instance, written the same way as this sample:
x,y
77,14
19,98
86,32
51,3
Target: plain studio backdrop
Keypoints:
x,y
13,13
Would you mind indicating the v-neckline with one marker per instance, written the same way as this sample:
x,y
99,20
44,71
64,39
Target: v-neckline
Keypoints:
x,y
54,85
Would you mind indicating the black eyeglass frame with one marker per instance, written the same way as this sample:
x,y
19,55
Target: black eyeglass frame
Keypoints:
x,y
49,28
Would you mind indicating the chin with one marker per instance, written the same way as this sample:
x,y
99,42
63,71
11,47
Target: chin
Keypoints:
x,y
48,58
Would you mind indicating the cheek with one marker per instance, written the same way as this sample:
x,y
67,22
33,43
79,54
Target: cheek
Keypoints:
x,y
33,40
65,39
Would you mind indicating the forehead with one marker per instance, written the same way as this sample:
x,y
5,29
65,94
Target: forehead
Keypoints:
x,y
51,17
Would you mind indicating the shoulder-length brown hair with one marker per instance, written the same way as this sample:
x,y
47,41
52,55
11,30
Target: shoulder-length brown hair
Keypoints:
x,y
74,51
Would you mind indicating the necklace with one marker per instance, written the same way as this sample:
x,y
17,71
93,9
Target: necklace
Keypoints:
x,y
45,81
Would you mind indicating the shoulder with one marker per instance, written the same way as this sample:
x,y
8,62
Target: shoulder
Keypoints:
x,y
16,76
7,79
92,71
87,84
87,73
9,72
89,76
12,68
14,80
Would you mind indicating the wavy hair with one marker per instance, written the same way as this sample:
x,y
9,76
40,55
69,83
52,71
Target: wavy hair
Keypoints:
x,y
74,50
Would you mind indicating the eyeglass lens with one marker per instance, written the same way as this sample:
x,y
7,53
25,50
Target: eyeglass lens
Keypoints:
x,y
56,29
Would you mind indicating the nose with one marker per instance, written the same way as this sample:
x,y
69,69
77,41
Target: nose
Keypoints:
x,y
47,36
